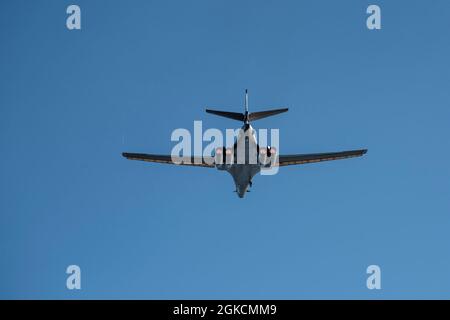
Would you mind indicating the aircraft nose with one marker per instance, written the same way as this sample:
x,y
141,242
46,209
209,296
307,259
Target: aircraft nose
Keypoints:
x,y
241,191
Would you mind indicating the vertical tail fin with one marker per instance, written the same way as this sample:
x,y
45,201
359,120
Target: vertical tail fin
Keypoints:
x,y
246,100
246,120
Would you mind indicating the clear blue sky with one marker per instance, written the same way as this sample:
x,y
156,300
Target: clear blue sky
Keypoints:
x,y
72,101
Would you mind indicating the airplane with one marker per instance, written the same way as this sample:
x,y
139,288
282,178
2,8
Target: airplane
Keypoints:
x,y
246,158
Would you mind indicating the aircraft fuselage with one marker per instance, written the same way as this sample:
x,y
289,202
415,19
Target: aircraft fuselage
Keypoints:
x,y
245,163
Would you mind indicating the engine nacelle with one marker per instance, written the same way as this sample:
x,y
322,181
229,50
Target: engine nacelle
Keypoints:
x,y
223,157
218,156
267,156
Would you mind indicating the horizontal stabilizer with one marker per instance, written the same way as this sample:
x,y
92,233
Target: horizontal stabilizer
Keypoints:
x,y
245,116
232,115
264,114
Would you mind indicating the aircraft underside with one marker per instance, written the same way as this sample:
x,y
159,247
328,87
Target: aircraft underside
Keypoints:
x,y
246,158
